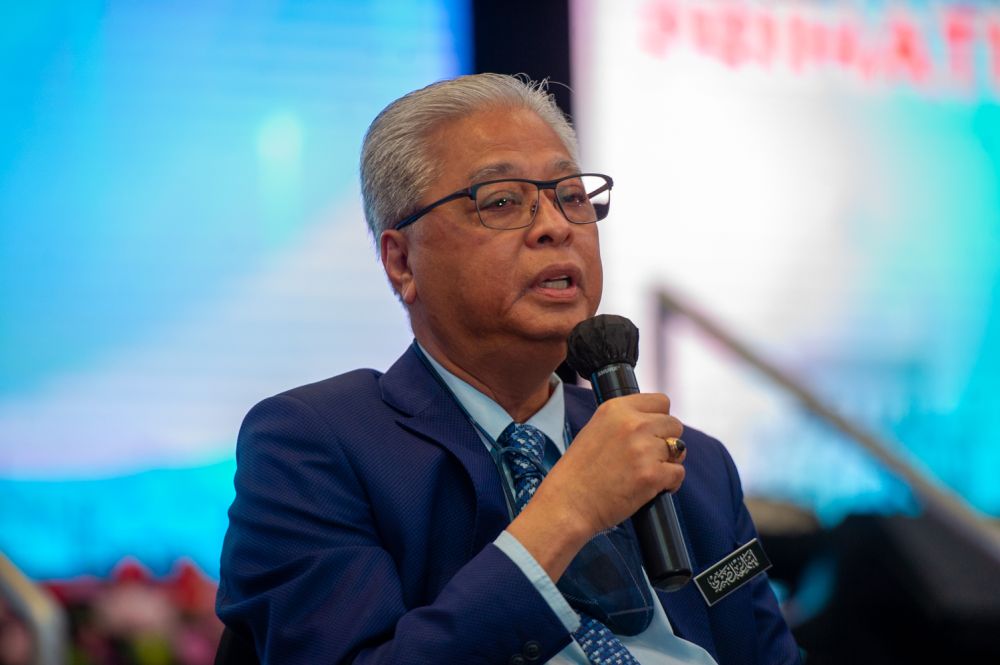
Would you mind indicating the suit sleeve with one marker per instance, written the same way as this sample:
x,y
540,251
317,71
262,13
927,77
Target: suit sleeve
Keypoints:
x,y
775,644
304,571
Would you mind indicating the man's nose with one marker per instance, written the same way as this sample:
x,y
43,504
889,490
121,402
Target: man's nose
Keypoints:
x,y
549,225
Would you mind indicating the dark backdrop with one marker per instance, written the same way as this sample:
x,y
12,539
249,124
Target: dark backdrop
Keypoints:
x,y
524,37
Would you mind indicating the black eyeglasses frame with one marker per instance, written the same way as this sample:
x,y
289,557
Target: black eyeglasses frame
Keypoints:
x,y
470,193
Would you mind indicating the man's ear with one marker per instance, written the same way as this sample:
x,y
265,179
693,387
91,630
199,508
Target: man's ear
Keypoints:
x,y
395,252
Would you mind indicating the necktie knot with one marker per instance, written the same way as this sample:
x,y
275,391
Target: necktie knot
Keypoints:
x,y
526,439
524,446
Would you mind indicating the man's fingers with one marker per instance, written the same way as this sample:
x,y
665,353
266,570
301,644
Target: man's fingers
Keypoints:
x,y
667,427
673,476
645,402
676,448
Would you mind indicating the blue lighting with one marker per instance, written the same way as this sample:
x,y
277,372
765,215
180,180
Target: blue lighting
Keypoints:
x,y
180,236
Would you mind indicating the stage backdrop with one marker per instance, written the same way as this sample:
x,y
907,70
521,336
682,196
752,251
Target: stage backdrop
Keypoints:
x,y
181,236
822,179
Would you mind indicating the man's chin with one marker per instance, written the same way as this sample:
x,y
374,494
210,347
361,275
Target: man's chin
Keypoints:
x,y
554,328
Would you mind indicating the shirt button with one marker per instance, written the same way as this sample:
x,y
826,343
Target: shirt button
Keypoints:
x,y
532,650
516,659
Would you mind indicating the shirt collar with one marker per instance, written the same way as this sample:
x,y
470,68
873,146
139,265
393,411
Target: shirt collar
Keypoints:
x,y
492,417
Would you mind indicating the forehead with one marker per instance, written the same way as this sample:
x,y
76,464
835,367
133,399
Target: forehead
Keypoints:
x,y
498,143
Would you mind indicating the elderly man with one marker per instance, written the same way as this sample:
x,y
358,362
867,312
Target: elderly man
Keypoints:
x,y
385,518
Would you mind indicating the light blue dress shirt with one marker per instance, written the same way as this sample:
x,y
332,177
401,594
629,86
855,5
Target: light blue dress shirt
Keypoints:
x,y
654,646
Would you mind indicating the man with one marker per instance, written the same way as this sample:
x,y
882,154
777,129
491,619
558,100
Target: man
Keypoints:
x,y
375,520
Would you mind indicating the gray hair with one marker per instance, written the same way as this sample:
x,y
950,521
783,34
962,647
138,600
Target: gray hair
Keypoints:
x,y
396,170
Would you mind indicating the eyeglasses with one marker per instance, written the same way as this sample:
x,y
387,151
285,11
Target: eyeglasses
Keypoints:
x,y
509,204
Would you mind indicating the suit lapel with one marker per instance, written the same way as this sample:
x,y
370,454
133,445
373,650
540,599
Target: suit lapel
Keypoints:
x,y
427,409
580,406
686,608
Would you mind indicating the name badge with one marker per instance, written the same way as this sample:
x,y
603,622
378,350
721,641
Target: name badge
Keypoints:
x,y
732,572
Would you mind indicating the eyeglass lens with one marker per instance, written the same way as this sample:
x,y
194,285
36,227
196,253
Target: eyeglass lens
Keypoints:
x,y
511,204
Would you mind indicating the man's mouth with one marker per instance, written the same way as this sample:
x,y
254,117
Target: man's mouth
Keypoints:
x,y
561,282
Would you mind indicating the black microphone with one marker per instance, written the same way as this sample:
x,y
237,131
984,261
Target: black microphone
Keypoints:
x,y
604,349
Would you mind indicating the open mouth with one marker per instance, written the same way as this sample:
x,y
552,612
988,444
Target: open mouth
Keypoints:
x,y
560,282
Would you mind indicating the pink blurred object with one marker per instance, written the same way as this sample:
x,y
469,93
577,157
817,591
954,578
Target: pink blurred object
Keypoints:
x,y
114,620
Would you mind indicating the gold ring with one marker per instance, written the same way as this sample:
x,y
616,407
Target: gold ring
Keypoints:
x,y
675,446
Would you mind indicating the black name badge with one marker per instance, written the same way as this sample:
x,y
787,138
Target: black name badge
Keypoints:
x,y
732,572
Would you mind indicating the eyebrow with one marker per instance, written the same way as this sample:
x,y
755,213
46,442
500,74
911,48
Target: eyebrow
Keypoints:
x,y
501,169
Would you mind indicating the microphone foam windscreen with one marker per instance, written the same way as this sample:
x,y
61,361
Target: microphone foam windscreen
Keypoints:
x,y
603,340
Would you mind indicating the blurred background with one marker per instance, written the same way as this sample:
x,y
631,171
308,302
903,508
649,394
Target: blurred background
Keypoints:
x,y
806,229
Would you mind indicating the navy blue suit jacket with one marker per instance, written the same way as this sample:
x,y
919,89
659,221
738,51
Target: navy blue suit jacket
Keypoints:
x,y
362,529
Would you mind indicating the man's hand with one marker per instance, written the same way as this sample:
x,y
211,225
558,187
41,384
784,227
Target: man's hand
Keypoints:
x,y
617,463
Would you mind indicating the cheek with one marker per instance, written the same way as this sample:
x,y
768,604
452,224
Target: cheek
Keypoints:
x,y
595,269
598,291
492,263
464,279
487,280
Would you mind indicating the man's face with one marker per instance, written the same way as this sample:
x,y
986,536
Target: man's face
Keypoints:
x,y
472,284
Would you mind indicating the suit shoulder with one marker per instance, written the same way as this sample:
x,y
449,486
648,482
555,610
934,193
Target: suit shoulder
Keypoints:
x,y
343,386
709,446
348,391
708,460
696,436
324,416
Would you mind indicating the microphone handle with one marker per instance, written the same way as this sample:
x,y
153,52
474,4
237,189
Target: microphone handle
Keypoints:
x,y
664,553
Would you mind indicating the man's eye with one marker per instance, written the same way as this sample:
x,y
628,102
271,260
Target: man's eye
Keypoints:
x,y
499,202
573,197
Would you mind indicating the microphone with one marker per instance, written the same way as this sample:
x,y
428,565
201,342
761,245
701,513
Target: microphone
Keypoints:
x,y
604,349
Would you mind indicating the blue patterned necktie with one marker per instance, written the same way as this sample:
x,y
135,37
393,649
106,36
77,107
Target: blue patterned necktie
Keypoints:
x,y
523,446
